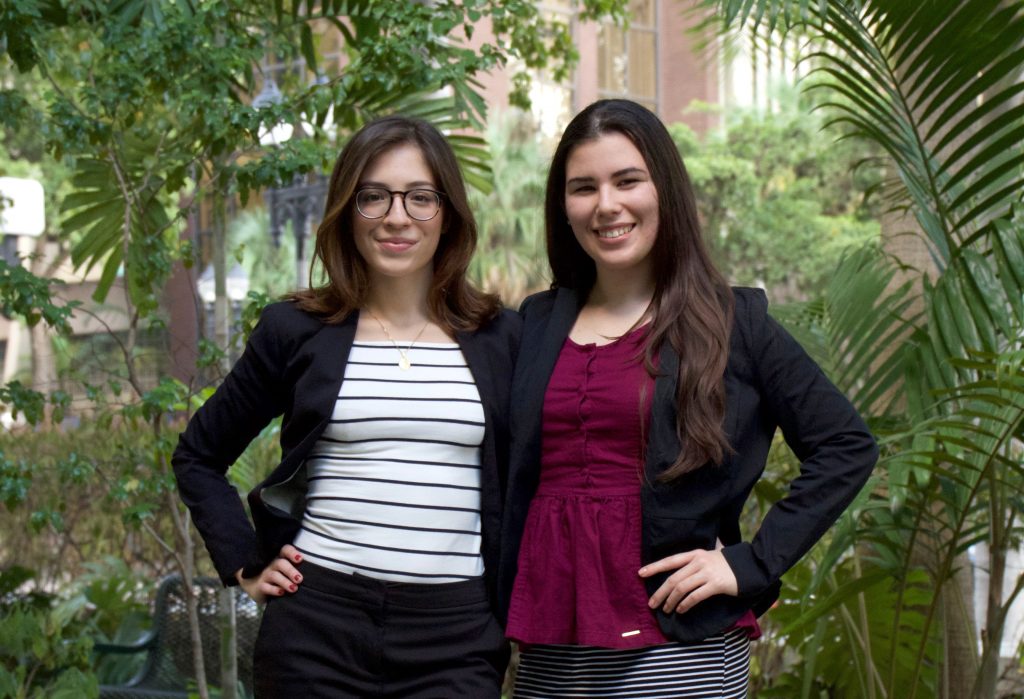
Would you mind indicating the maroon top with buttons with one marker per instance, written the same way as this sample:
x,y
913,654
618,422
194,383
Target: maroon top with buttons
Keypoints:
x,y
577,581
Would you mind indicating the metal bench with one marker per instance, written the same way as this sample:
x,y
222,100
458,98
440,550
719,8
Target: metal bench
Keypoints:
x,y
166,668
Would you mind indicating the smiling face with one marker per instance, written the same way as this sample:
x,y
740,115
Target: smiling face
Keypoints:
x,y
398,245
611,204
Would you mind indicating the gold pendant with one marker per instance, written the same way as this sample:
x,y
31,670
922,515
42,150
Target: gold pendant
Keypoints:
x,y
404,363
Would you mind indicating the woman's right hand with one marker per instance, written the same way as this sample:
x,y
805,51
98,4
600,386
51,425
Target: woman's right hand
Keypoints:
x,y
279,578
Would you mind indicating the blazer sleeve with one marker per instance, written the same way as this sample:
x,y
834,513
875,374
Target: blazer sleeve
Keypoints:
x,y
835,449
248,399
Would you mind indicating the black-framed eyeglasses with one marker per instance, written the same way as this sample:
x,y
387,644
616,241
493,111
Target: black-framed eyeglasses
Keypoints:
x,y
420,204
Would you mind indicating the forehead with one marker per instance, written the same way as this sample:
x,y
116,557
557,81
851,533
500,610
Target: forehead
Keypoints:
x,y
398,166
601,156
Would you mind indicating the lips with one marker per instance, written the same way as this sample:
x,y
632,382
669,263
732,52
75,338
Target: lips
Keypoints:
x,y
395,244
613,232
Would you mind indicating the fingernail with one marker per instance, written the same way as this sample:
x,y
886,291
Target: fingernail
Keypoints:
x,y
298,578
293,588
280,591
298,558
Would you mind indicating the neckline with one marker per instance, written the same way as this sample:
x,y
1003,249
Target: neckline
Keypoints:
x,y
621,339
386,343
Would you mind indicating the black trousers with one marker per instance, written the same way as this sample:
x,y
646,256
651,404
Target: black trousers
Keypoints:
x,y
345,635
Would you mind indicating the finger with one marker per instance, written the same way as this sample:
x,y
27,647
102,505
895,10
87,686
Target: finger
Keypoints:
x,y
285,568
694,598
672,562
681,590
278,579
668,588
270,589
662,593
290,553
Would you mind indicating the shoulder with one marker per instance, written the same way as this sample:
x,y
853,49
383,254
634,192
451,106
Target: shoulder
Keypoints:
x,y
505,325
495,343
749,302
288,313
507,320
751,326
283,322
539,303
750,312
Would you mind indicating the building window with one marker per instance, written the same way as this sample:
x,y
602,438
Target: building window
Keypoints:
x,y
627,58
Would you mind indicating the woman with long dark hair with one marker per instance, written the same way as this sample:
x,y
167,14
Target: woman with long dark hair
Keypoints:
x,y
643,408
376,537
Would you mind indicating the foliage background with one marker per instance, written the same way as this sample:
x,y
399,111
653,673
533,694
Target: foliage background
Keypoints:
x,y
926,340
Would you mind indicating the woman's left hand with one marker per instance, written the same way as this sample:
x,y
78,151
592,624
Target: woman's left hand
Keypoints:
x,y
699,574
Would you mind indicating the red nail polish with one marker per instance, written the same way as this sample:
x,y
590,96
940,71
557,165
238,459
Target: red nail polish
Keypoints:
x,y
298,578
292,588
298,558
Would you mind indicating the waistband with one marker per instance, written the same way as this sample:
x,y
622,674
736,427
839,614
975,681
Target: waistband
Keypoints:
x,y
417,595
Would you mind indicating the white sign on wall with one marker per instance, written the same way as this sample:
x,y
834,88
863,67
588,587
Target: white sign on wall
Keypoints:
x,y
21,207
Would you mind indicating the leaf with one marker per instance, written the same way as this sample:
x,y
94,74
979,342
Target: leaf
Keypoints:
x,y
308,50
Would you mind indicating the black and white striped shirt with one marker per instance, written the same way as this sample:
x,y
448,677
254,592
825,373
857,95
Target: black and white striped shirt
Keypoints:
x,y
394,480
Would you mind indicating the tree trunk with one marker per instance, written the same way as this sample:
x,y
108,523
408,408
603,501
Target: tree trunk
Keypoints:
x,y
902,238
228,644
992,634
961,656
221,304
186,564
44,364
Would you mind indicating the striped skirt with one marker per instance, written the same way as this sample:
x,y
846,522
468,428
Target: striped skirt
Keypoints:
x,y
716,668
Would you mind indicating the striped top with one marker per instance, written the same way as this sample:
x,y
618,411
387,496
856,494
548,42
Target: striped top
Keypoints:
x,y
394,480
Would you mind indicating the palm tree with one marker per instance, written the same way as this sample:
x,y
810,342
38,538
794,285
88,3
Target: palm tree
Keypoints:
x,y
935,360
510,217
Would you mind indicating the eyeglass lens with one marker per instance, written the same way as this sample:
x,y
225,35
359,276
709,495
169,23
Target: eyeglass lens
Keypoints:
x,y
420,204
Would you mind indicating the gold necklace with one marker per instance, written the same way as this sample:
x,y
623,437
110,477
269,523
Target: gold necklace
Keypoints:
x,y
403,354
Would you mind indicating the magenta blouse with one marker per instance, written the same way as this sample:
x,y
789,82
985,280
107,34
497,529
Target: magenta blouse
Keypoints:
x,y
577,581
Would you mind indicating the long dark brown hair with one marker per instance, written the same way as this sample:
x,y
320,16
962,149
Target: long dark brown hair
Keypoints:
x,y
454,303
693,304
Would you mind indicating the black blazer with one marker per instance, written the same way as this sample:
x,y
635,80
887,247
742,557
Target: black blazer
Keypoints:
x,y
770,382
293,365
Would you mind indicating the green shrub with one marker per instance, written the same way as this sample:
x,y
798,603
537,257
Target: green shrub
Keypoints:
x,y
44,644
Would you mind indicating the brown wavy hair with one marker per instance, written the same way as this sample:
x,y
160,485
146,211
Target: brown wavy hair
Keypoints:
x,y
692,306
455,304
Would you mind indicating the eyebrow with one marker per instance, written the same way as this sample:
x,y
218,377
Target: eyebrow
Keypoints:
x,y
418,184
617,173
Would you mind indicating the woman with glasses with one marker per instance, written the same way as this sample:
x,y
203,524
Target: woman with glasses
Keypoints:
x,y
375,539
644,404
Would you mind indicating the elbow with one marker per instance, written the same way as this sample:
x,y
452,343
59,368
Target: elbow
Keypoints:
x,y
871,454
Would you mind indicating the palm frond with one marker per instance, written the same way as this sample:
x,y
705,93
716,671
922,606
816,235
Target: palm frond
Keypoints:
x,y
936,84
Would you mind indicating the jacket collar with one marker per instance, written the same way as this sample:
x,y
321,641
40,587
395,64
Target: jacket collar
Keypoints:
x,y
478,363
332,346
546,341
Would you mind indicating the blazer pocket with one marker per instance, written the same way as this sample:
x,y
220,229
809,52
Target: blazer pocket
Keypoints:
x,y
667,535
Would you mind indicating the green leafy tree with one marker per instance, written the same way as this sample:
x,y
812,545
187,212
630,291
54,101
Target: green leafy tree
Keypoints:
x,y
779,199
932,355
149,105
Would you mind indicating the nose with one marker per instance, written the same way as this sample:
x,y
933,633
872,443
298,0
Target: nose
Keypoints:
x,y
607,201
397,215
